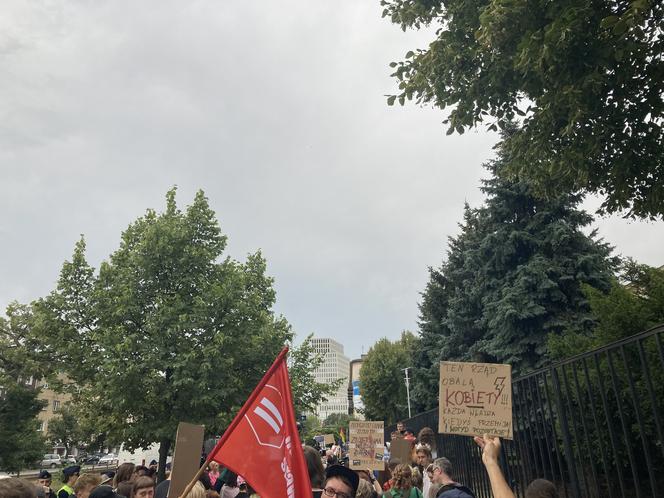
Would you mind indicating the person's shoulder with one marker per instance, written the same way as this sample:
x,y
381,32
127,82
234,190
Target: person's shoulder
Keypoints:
x,y
63,493
161,490
455,490
416,492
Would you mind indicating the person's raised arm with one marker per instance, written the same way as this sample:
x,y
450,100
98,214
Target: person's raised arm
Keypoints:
x,y
490,455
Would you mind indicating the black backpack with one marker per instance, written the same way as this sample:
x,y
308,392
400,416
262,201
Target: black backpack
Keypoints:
x,y
454,486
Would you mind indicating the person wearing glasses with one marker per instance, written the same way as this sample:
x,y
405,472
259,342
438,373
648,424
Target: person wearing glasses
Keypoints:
x,y
340,482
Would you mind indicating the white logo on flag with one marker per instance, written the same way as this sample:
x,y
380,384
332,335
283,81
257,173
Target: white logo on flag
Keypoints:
x,y
275,424
266,412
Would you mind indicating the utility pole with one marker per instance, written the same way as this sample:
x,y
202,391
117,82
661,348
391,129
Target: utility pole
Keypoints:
x,y
407,388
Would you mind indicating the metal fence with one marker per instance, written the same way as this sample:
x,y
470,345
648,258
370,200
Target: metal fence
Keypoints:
x,y
592,424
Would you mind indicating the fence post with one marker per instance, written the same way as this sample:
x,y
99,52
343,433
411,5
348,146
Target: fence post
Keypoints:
x,y
567,445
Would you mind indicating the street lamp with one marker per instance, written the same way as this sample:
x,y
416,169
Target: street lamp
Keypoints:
x,y
407,388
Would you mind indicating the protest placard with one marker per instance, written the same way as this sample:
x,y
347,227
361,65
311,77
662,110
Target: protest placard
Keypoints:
x,y
186,457
329,439
365,446
475,399
402,449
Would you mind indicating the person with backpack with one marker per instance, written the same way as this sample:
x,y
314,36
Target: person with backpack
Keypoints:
x,y
441,473
402,484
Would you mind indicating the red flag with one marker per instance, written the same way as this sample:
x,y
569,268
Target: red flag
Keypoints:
x,y
262,443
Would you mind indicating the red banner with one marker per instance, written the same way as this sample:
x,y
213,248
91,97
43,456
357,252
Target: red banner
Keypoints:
x,y
262,443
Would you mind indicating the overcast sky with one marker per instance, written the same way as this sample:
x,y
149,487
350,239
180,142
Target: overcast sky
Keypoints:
x,y
276,110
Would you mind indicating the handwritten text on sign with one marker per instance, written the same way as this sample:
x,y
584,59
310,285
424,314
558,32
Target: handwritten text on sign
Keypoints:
x,y
475,399
366,445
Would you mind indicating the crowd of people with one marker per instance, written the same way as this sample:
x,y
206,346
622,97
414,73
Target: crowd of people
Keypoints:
x,y
424,474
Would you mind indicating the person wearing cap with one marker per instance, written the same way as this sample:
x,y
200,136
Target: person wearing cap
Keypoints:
x,y
44,481
70,475
340,482
107,478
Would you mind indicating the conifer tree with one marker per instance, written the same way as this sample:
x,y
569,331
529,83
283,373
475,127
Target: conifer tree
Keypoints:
x,y
512,277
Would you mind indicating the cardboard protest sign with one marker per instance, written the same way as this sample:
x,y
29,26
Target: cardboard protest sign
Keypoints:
x,y
366,445
329,439
186,457
402,449
475,399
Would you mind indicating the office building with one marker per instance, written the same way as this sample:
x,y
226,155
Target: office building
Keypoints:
x,y
335,366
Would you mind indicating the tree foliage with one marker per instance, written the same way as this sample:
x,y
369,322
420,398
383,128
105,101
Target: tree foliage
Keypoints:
x,y
65,429
21,445
22,354
382,384
512,278
634,303
167,330
585,78
21,358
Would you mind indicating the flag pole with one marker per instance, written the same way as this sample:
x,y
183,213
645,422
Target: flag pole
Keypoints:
x,y
236,420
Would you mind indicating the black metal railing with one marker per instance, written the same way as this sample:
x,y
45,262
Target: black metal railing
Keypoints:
x,y
592,424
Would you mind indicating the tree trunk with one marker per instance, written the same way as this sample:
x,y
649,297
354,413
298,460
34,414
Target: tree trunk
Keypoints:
x,y
164,446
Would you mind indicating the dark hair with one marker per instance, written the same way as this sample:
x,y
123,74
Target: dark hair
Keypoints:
x,y
231,479
124,488
205,481
141,483
314,466
124,473
541,488
427,436
141,470
17,488
343,479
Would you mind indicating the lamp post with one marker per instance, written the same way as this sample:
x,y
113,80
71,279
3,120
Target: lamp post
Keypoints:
x,y
407,388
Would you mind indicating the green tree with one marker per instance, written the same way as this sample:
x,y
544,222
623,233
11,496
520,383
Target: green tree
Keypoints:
x,y
65,429
22,353
382,384
334,423
167,330
20,443
513,277
311,427
21,358
307,393
584,77
634,303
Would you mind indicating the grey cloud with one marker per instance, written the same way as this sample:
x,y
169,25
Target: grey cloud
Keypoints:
x,y
275,109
